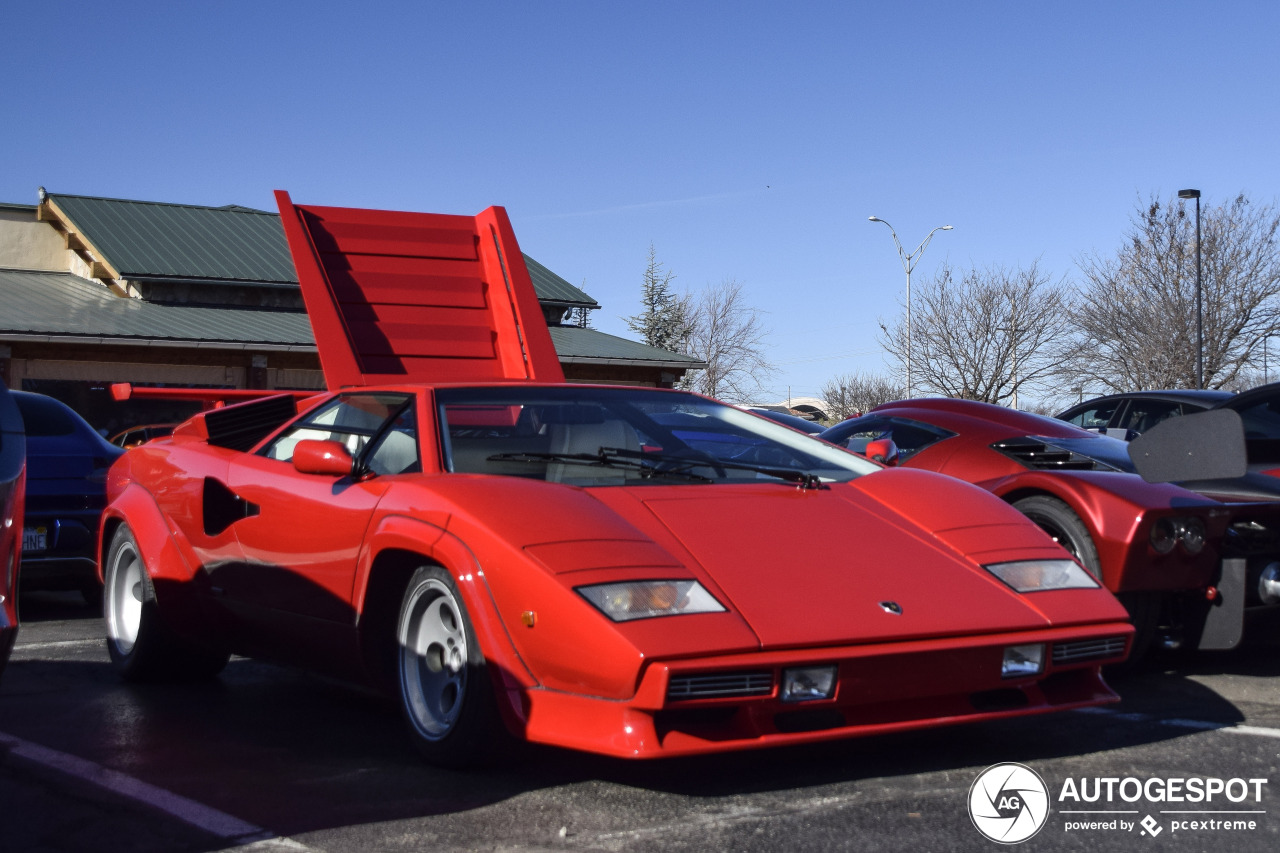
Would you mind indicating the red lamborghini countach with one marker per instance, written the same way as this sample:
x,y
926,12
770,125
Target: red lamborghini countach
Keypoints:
x,y
628,571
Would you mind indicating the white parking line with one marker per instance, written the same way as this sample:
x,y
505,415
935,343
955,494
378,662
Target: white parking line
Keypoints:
x,y
1177,722
57,644
227,827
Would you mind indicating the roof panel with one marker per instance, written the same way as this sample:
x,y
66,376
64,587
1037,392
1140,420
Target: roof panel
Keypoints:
x,y
143,239
149,239
553,288
575,344
61,304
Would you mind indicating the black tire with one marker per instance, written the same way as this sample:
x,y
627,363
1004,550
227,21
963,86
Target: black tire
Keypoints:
x,y
141,646
1061,522
445,691
1145,610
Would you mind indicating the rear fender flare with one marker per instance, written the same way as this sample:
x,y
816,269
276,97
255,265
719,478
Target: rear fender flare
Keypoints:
x,y
180,589
161,552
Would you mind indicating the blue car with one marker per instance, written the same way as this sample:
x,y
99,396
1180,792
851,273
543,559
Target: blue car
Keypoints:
x,y
67,464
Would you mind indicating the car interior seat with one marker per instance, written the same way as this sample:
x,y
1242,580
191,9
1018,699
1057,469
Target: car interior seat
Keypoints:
x,y
588,439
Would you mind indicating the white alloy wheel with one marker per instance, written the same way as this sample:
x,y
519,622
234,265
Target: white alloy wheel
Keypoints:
x,y
124,595
433,658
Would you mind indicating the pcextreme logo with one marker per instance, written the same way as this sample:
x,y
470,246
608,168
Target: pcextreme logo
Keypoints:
x,y
1008,803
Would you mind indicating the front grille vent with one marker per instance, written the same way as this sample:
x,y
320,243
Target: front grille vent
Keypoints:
x,y
1040,455
719,685
1080,650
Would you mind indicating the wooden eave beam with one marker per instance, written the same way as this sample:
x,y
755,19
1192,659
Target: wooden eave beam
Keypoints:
x,y
99,267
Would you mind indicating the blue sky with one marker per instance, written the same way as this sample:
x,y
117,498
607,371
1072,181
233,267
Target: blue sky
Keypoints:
x,y
743,140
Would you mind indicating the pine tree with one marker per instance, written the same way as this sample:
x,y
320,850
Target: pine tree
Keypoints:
x,y
665,320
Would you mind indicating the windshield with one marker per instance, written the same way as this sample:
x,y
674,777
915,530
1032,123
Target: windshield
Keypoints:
x,y
592,436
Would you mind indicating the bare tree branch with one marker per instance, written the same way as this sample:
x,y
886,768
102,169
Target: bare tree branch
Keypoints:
x,y
854,393
1137,310
989,335
731,338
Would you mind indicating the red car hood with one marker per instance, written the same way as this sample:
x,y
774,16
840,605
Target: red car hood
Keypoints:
x,y
801,590
800,567
817,567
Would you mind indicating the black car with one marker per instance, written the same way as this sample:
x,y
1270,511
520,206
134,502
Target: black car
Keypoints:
x,y
67,464
1126,416
1259,410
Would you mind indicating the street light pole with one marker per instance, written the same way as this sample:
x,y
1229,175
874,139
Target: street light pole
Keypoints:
x,y
1199,293
908,264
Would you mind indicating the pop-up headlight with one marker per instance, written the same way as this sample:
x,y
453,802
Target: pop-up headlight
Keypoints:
x,y
1042,575
629,600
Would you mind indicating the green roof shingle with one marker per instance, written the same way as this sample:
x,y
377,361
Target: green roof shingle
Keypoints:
x,y
62,305
151,240
233,244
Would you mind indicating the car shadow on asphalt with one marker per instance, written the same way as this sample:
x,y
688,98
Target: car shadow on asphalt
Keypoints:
x,y
39,606
329,756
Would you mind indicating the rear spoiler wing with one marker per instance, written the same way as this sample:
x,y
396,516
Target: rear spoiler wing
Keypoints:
x,y
213,398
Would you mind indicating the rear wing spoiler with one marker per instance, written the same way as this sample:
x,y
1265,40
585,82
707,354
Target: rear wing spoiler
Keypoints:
x,y
213,398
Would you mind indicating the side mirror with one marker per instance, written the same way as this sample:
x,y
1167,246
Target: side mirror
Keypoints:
x,y
882,450
322,457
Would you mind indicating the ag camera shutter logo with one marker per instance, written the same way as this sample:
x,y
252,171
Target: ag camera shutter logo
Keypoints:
x,y
1008,803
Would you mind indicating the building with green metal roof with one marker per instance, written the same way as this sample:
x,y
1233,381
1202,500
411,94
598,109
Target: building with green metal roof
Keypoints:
x,y
100,290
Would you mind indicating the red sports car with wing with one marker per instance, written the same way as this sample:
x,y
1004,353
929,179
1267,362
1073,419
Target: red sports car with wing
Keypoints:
x,y
1187,564
628,571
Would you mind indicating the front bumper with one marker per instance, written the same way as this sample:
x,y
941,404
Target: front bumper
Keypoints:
x,y
881,688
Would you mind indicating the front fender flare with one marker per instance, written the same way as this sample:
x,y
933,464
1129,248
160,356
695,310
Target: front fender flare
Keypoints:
x,y
408,534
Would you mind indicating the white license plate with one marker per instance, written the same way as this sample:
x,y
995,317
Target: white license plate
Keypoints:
x,y
35,539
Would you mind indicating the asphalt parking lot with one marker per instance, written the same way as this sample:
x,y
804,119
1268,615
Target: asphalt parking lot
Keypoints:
x,y
266,758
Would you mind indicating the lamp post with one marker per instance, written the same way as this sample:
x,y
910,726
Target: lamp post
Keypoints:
x,y
1199,293
908,264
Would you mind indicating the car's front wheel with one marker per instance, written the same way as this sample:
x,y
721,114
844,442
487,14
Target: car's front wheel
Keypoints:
x,y
141,646
1061,522
446,694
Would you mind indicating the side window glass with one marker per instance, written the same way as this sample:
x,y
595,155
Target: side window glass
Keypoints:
x,y
397,449
866,431
1096,417
1144,414
1261,420
352,419
910,436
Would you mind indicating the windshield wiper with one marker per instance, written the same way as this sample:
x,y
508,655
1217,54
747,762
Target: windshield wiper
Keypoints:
x,y
804,479
654,464
608,457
